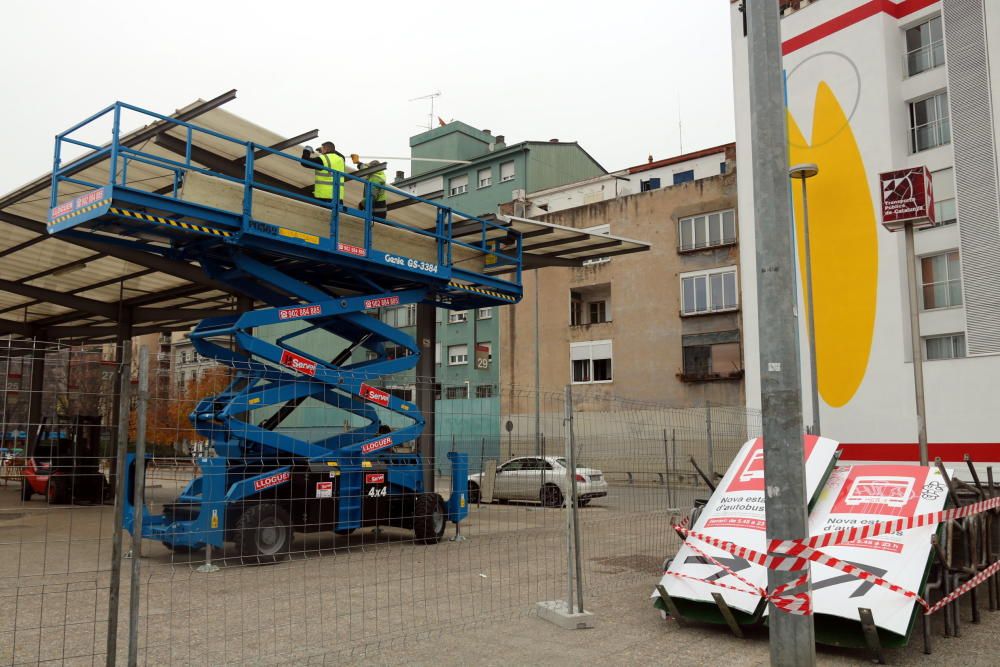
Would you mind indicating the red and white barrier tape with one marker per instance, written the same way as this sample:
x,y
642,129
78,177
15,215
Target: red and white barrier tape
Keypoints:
x,y
848,535
795,555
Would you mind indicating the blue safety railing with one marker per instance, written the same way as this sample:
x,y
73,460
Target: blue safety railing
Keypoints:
x,y
121,155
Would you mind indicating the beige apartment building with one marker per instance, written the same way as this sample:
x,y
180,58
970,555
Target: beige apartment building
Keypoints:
x,y
661,326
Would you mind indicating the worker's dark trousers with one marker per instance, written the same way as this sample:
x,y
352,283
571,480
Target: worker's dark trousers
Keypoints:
x,y
379,209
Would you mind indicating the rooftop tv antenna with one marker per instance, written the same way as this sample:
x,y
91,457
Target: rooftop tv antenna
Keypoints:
x,y
430,116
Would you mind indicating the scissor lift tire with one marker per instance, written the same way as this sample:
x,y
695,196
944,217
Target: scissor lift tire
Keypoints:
x,y
429,518
264,534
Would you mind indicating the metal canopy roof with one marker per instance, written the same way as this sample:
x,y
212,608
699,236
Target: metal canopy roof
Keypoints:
x,y
78,289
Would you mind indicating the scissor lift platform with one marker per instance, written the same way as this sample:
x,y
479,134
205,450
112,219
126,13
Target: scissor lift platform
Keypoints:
x,y
323,264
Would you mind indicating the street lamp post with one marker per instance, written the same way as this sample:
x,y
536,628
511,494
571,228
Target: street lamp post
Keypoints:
x,y
803,172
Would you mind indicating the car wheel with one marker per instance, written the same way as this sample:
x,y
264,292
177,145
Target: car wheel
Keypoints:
x,y
429,518
473,493
26,491
56,490
264,534
551,496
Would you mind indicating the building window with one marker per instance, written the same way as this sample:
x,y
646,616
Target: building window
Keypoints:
x,y
651,184
712,356
722,167
507,171
485,391
941,278
951,346
590,305
945,210
484,356
924,47
930,123
458,355
709,291
591,361
393,351
603,230
597,311
485,177
458,185
683,176
404,316
452,393
485,313
437,353
402,393
457,316
707,230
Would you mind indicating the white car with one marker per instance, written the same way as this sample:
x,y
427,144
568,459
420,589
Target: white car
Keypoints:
x,y
540,478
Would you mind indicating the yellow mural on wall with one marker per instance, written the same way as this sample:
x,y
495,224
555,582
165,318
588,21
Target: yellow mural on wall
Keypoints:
x,y
844,243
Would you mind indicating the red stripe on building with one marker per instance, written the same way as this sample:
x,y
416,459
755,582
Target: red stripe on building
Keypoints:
x,y
981,452
854,16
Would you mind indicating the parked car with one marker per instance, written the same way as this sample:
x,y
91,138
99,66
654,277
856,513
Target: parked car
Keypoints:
x,y
542,479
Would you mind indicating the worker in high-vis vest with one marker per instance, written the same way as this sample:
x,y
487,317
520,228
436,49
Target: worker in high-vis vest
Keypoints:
x,y
328,157
380,203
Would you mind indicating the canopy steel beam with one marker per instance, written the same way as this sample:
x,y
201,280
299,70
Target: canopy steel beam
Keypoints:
x,y
108,310
184,270
217,163
132,139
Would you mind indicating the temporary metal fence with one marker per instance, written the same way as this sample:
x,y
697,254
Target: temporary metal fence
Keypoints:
x,y
74,589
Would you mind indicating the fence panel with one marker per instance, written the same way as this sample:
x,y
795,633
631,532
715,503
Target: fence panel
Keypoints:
x,y
329,594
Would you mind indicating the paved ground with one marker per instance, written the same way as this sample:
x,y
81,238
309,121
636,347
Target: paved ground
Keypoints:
x,y
376,599
628,632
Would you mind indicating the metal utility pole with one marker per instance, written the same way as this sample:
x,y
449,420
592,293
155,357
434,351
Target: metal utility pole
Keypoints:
x,y
426,381
792,637
538,376
915,347
804,172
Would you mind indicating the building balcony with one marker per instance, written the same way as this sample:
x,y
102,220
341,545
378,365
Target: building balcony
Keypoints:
x,y
711,377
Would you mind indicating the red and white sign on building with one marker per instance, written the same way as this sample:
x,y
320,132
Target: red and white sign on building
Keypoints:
x,y
375,478
907,199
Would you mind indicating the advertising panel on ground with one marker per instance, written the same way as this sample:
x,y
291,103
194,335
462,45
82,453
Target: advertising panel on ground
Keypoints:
x,y
735,513
856,496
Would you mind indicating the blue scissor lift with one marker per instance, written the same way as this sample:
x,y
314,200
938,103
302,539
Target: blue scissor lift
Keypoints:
x,y
265,483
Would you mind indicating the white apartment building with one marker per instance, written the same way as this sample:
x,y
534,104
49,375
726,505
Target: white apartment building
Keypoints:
x,y
651,175
875,86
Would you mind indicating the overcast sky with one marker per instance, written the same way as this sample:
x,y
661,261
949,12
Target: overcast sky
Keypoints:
x,y
610,75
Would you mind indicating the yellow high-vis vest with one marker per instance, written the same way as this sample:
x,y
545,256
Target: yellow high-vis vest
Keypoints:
x,y
323,188
378,178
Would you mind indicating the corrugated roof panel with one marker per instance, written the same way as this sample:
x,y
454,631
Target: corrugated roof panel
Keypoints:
x,y
41,257
13,236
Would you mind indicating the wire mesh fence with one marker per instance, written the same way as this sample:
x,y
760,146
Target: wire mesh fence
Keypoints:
x,y
303,528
